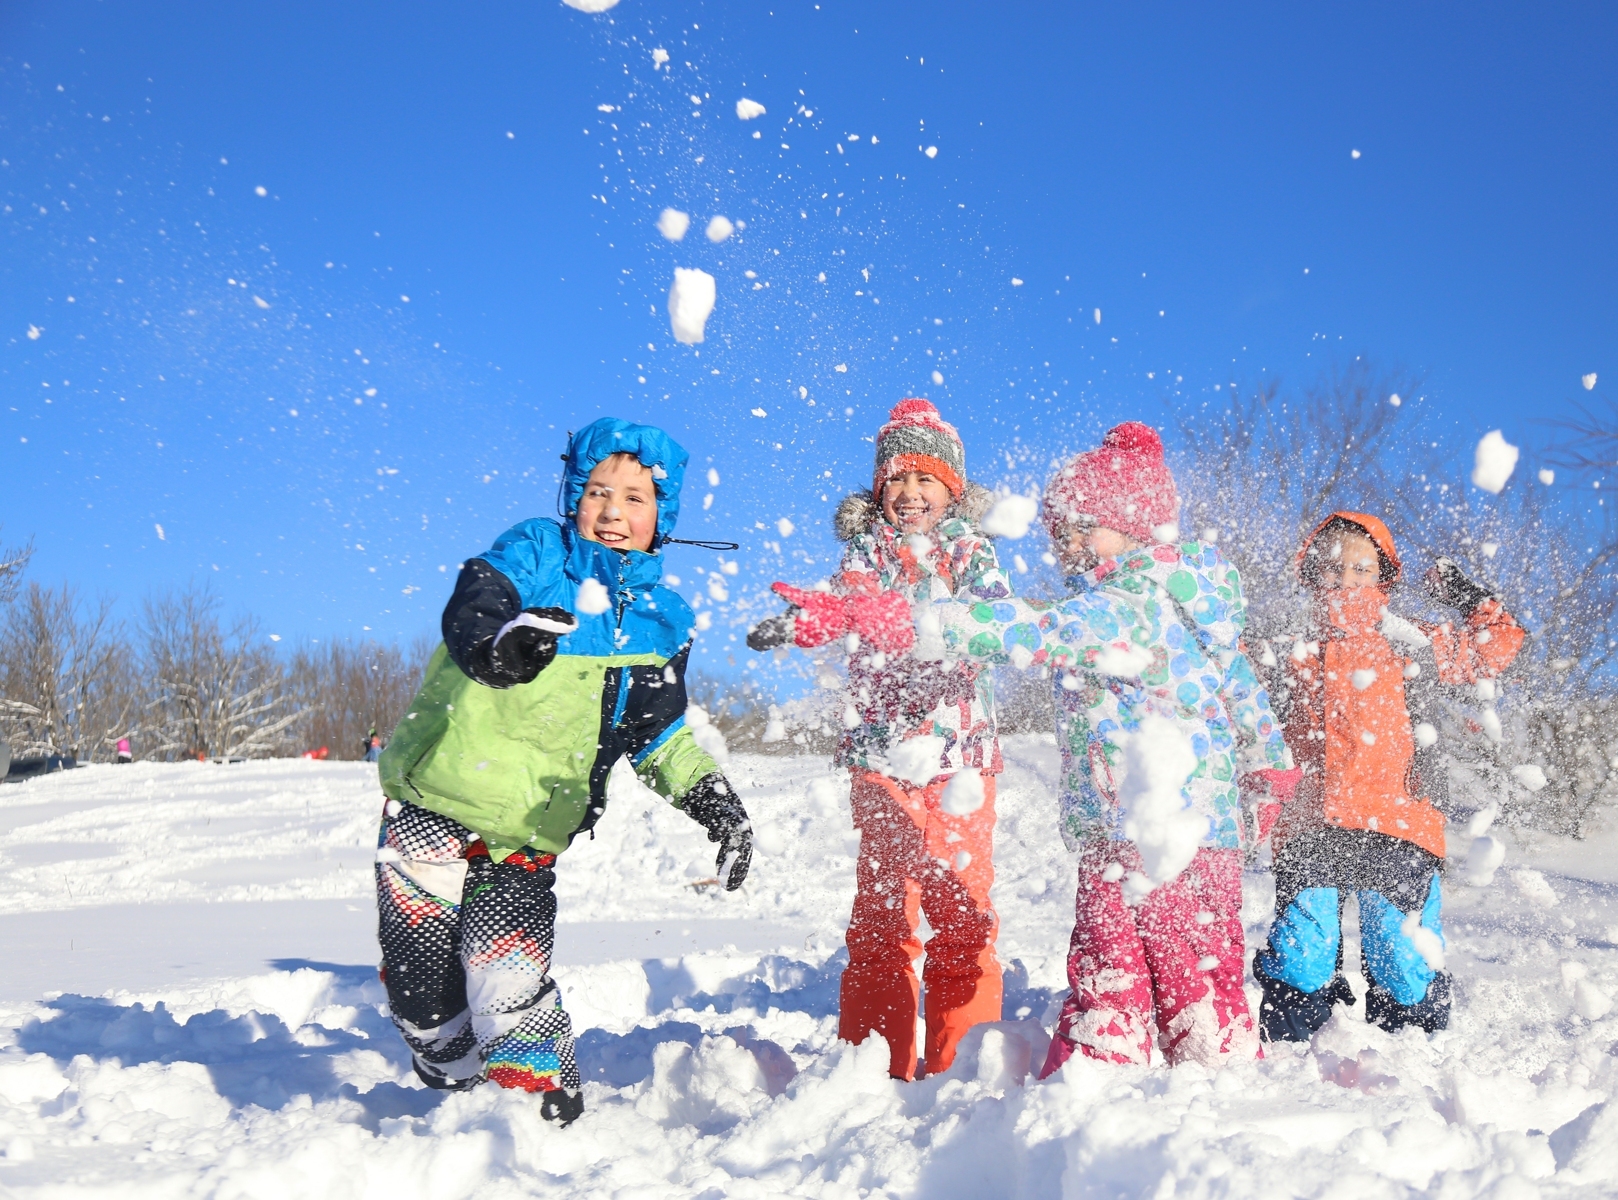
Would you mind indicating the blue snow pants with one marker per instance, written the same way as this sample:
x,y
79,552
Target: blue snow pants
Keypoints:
x,y
1300,969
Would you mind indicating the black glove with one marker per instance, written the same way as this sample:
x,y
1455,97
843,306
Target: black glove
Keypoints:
x,y
714,805
526,645
773,631
1448,584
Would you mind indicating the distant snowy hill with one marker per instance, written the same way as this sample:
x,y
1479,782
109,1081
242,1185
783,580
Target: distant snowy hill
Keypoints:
x,y
189,1007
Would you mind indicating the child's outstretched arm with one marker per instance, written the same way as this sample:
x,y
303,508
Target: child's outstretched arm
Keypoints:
x,y
1488,640
491,636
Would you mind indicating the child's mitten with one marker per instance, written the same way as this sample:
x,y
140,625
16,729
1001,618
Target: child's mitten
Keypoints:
x,y
525,645
1448,584
821,616
774,631
1278,786
714,804
883,621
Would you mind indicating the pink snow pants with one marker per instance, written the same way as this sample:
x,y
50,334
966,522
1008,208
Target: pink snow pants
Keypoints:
x,y
1165,972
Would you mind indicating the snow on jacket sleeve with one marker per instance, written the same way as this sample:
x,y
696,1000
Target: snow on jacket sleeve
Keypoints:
x,y
1259,742
1481,648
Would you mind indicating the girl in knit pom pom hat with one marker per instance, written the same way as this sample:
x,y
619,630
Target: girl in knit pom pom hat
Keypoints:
x,y
1158,714
919,744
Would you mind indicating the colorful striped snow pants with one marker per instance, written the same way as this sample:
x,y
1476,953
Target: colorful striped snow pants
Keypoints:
x,y
466,953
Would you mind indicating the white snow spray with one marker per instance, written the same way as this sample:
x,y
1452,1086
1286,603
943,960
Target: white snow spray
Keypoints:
x,y
1157,760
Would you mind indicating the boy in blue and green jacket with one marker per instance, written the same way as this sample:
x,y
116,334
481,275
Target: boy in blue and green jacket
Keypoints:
x,y
562,653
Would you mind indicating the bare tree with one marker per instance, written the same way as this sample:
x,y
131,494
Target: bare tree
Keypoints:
x,y
216,691
13,562
351,689
67,684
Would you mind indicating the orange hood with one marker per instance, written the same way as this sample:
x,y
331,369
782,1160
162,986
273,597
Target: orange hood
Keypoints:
x,y
1374,529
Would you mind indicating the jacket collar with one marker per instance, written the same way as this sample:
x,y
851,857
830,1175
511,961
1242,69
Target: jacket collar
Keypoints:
x,y
615,569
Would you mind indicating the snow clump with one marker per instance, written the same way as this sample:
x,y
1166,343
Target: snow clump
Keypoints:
x,y
1157,760
593,599
1589,381
1530,775
1494,462
660,56
673,224
748,109
916,759
719,229
963,794
690,303
590,6
1011,516
706,733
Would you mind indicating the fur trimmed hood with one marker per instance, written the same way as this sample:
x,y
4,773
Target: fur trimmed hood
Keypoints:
x,y
859,510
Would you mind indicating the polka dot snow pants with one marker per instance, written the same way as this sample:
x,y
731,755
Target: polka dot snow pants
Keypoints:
x,y
466,953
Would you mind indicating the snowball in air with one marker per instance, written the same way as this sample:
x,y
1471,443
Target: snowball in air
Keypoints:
x,y
1494,462
931,152
1547,476
1015,282
590,6
33,333
963,794
938,377
673,224
1589,381
784,527
1098,316
659,57
719,229
593,599
1530,776
690,302
1010,516
916,759
748,109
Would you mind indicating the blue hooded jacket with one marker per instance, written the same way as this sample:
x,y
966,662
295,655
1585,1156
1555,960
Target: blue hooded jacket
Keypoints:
x,y
527,765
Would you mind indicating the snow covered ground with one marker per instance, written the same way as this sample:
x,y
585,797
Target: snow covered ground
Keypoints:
x,y
189,1007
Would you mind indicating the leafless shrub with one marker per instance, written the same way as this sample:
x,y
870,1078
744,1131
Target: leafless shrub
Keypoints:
x,y
13,562
350,689
216,691
67,684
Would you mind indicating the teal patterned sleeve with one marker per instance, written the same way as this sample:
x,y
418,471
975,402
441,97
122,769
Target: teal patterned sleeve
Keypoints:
x,y
1086,632
1258,733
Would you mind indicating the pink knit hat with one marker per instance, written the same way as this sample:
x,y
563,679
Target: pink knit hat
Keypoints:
x,y
1123,485
916,438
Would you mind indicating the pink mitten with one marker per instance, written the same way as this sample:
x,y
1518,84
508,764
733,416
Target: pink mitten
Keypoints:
x,y
821,617
883,622
1282,785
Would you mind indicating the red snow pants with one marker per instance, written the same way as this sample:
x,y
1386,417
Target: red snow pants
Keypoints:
x,y
1167,971
916,858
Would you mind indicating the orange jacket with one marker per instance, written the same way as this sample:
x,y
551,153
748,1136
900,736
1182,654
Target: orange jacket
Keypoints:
x,y
1348,724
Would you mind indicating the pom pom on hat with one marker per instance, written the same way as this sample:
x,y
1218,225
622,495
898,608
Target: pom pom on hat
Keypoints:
x,y
1124,484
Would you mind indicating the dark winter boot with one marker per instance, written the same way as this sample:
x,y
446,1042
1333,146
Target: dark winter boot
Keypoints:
x,y
440,1082
1287,1014
1431,1013
562,1106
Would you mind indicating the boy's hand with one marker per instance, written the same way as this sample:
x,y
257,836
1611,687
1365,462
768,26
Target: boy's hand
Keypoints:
x,y
1448,584
820,617
526,644
714,805
773,631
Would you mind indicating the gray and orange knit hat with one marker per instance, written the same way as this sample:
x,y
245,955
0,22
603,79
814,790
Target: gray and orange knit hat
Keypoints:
x,y
916,438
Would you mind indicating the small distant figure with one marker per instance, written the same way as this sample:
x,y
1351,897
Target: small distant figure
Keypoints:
x,y
318,755
373,746
125,754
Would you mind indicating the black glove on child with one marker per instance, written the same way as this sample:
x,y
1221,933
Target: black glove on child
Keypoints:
x,y
1448,584
526,645
714,805
773,631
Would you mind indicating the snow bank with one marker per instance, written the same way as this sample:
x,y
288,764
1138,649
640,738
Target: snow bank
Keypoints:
x,y
691,300
715,1071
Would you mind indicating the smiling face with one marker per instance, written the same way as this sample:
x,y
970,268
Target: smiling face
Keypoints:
x,y
916,501
1347,560
1087,546
619,505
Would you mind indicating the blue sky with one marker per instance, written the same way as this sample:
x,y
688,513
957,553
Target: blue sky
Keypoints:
x,y
1185,170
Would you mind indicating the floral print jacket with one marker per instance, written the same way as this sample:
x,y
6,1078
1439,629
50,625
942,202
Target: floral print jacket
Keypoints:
x,y
892,701
1155,631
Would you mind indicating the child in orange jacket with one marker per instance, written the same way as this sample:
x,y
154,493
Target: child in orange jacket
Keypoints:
x,y
1362,818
